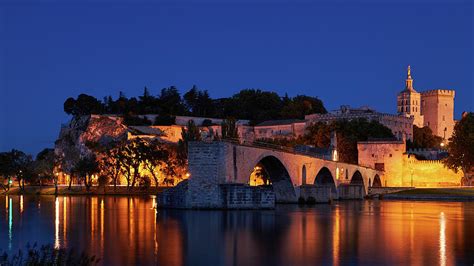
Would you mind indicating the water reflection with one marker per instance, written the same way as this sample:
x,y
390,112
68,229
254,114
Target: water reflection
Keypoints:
x,y
129,230
442,239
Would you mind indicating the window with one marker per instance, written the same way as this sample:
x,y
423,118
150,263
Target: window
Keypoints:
x,y
443,117
379,166
390,155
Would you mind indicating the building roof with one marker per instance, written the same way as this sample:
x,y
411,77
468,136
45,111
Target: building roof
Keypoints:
x,y
279,122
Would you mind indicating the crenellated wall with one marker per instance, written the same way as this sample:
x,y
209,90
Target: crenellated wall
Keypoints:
x,y
404,170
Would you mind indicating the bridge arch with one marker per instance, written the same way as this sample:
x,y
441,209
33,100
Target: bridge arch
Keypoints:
x,y
357,178
325,178
377,182
275,172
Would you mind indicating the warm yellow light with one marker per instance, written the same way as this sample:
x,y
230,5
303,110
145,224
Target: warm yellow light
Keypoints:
x,y
188,175
56,223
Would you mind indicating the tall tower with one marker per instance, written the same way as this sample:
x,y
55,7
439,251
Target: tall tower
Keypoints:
x,y
409,100
437,107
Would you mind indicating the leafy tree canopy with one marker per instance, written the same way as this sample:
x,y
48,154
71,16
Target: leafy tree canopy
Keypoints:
x,y
424,138
461,145
251,104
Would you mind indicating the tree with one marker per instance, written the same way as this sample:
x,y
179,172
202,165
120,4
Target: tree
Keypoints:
x,y
110,165
199,103
461,147
424,138
131,158
155,158
44,167
85,168
229,129
170,101
254,105
16,164
84,105
190,133
301,105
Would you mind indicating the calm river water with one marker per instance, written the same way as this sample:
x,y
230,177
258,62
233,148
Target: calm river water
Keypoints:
x,y
128,231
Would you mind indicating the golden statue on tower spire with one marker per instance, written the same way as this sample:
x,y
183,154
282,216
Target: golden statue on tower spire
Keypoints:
x,y
409,80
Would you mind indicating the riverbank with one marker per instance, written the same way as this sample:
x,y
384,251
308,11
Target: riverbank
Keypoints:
x,y
80,190
449,194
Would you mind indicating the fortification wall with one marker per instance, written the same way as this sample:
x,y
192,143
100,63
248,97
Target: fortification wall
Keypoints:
x,y
428,173
403,170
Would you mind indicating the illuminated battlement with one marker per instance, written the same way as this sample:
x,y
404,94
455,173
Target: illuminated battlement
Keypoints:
x,y
436,92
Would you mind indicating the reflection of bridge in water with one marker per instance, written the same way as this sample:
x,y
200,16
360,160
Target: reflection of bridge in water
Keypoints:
x,y
287,169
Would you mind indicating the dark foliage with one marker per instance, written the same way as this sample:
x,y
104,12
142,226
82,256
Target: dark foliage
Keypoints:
x,y
424,138
47,255
461,145
250,104
164,120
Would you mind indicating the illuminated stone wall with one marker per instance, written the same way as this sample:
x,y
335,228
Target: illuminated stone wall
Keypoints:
x,y
428,173
403,170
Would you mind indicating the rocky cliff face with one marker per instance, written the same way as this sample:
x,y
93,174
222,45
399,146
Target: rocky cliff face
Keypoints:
x,y
74,137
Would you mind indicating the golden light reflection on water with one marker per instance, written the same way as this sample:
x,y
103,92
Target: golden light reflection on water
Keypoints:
x,y
129,231
10,223
65,215
335,237
21,204
56,223
442,239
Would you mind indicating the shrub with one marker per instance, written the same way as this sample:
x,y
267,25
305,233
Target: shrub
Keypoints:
x,y
47,255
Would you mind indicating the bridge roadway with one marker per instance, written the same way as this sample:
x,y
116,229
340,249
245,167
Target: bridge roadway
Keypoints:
x,y
286,168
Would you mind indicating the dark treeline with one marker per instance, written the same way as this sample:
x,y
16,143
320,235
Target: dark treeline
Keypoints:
x,y
251,104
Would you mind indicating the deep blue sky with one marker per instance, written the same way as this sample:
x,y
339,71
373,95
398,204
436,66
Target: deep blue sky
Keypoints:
x,y
344,53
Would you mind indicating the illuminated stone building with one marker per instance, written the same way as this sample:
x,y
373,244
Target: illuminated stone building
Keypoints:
x,y
403,169
401,126
432,108
290,128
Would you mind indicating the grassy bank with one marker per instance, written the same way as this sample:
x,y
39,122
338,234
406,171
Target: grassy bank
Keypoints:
x,y
77,190
466,193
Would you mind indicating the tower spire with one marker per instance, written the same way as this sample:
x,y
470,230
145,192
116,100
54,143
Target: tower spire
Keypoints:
x,y
409,80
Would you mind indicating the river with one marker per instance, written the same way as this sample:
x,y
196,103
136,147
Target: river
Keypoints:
x,y
129,231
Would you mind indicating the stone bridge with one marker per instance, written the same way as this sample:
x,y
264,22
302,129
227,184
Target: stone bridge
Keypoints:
x,y
227,162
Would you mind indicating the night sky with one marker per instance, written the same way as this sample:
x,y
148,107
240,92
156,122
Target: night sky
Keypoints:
x,y
344,53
